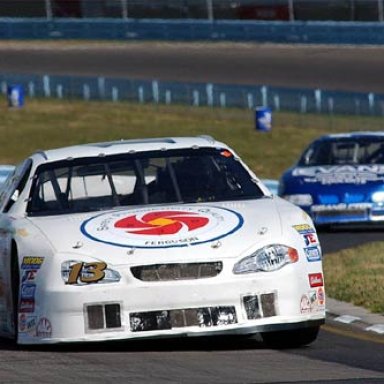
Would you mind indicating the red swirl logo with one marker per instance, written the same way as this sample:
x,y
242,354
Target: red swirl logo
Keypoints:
x,y
162,222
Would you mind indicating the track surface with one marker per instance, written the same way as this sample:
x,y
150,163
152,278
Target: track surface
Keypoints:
x,y
332,359
339,355
325,67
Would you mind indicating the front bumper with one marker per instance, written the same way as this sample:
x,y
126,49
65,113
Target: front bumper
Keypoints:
x,y
227,305
346,213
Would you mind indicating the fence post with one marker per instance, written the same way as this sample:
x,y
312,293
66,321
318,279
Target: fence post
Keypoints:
x,y
155,91
380,10
210,94
318,100
223,100
59,91
210,10
48,10
115,94
195,98
31,89
101,87
168,97
276,100
371,102
291,10
46,86
303,104
86,92
124,9
264,95
251,103
140,93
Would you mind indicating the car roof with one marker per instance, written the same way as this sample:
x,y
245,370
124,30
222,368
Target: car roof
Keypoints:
x,y
352,135
122,146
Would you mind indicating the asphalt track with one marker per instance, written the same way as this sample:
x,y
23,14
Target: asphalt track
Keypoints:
x,y
350,68
340,355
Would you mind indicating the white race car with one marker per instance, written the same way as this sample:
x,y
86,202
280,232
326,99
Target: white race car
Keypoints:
x,y
152,238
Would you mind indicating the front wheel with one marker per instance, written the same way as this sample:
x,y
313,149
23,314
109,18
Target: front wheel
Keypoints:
x,y
291,339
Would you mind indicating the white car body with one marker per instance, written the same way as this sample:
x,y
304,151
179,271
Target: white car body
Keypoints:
x,y
153,270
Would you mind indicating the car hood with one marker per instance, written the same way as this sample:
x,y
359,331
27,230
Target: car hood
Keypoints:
x,y
173,233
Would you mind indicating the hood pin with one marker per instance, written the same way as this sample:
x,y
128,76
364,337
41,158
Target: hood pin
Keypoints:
x,y
262,231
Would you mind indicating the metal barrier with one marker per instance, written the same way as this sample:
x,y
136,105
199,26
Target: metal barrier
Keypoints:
x,y
194,30
197,94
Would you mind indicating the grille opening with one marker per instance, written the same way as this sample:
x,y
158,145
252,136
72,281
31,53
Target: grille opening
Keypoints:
x,y
185,271
112,316
178,318
258,306
95,317
103,316
252,307
268,304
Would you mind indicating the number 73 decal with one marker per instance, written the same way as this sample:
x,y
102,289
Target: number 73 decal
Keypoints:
x,y
80,273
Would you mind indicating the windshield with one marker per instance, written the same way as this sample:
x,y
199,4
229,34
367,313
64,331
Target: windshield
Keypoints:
x,y
345,151
156,177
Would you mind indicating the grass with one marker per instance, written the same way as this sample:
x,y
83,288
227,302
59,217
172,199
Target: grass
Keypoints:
x,y
357,276
353,275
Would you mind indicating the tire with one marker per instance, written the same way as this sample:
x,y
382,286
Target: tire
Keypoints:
x,y
291,339
15,285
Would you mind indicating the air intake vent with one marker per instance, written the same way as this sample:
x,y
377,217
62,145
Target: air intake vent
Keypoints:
x,y
260,306
103,316
167,272
179,318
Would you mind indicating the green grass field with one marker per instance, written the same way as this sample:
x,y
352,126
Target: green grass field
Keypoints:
x,y
354,275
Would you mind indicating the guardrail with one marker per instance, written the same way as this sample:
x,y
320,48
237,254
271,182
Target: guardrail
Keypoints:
x,y
192,30
197,94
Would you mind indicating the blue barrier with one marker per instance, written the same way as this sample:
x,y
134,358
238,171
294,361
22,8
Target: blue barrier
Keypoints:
x,y
310,32
198,94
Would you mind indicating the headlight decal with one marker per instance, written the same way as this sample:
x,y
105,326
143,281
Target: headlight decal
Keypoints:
x,y
304,200
267,259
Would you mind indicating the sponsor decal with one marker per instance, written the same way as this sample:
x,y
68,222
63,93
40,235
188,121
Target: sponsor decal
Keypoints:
x,y
27,305
310,239
313,253
321,296
163,228
44,328
341,207
27,324
361,174
28,275
317,304
305,304
27,298
32,262
28,291
316,280
304,229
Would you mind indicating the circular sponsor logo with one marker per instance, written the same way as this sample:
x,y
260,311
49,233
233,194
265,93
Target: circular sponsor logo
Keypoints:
x,y
162,228
305,304
44,328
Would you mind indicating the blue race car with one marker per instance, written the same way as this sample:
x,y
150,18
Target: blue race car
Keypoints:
x,y
339,179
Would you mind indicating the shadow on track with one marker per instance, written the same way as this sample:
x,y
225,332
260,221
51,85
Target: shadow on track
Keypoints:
x,y
157,345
